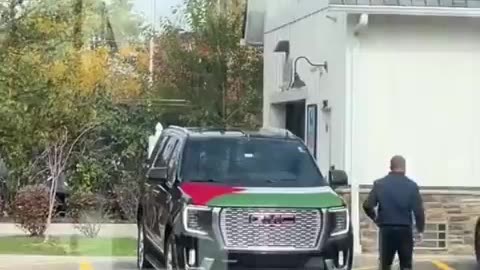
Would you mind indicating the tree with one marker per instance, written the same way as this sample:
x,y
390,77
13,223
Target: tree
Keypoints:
x,y
54,87
208,67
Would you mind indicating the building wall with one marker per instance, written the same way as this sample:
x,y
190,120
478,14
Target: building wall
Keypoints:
x,y
405,85
320,37
451,218
413,85
415,93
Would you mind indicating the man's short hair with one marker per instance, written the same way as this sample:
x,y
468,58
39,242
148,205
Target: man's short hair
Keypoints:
x,y
398,163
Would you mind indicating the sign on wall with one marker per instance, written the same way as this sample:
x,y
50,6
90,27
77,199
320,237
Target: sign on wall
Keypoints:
x,y
312,114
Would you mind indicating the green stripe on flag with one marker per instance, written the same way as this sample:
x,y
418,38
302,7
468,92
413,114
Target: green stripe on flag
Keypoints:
x,y
315,200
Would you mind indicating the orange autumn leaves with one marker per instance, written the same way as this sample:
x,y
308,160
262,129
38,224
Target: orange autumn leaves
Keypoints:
x,y
121,74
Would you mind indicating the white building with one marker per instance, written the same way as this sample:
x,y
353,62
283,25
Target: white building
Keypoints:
x,y
402,78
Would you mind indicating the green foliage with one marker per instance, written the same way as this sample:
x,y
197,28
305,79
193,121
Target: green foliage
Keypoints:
x,y
221,79
88,211
50,91
89,175
55,83
31,209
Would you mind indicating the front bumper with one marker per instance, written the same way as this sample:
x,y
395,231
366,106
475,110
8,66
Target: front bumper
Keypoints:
x,y
206,253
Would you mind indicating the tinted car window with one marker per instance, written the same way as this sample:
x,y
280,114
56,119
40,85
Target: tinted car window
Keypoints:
x,y
173,160
158,150
250,162
167,148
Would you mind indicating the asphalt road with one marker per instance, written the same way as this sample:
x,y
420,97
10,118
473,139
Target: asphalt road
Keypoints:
x,y
72,263
463,265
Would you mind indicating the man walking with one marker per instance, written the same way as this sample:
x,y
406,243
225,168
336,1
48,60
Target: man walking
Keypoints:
x,y
396,199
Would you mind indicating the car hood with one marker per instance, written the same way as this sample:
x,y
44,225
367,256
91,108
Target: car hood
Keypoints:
x,y
208,194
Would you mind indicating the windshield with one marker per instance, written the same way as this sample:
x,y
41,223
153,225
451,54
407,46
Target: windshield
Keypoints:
x,y
250,162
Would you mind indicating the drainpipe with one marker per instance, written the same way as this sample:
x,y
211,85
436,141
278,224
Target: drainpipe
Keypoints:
x,y
354,185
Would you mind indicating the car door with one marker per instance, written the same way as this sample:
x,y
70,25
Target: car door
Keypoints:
x,y
150,213
168,194
161,195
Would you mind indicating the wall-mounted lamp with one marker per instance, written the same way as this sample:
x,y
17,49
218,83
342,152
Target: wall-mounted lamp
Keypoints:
x,y
296,81
283,46
325,106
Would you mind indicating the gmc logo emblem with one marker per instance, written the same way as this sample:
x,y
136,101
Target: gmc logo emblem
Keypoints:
x,y
271,219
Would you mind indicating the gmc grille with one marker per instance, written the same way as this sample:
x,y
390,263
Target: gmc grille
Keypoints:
x,y
266,228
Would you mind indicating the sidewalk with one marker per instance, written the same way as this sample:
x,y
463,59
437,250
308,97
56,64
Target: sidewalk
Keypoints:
x,y
421,261
64,229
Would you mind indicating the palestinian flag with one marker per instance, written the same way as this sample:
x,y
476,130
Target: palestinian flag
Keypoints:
x,y
208,194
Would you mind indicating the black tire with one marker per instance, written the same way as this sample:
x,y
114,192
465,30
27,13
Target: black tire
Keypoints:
x,y
350,252
477,241
175,261
350,260
143,249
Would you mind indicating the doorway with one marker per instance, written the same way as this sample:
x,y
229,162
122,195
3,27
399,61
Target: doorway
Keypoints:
x,y
295,118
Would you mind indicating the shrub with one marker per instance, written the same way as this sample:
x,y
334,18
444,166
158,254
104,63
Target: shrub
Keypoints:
x,y
30,209
127,196
88,212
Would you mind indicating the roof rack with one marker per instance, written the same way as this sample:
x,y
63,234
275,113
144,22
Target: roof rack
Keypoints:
x,y
281,131
221,129
179,128
205,129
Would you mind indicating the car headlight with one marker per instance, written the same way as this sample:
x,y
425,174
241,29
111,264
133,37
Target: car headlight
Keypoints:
x,y
341,221
197,219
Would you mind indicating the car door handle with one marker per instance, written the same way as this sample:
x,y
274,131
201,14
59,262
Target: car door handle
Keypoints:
x,y
168,196
162,188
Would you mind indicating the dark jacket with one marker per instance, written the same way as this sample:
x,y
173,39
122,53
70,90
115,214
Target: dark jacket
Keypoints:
x,y
398,199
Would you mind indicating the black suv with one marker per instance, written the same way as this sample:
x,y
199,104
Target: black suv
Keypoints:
x,y
216,198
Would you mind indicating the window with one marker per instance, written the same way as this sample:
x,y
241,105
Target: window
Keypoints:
x,y
250,162
158,149
165,153
173,160
435,237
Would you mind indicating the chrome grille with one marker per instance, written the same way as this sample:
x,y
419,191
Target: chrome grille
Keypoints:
x,y
239,232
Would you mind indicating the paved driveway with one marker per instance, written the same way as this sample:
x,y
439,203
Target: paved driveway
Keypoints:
x,y
76,263
465,264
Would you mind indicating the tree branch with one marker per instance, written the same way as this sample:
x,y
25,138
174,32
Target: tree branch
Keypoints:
x,y
69,152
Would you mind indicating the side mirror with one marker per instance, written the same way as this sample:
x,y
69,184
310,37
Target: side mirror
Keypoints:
x,y
157,174
338,178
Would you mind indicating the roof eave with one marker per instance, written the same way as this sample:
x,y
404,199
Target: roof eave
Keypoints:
x,y
408,10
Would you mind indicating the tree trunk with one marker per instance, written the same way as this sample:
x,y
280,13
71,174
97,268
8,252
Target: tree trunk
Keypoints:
x,y
49,218
53,192
77,28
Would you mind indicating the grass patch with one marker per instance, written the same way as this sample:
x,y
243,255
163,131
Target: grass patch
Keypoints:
x,y
68,245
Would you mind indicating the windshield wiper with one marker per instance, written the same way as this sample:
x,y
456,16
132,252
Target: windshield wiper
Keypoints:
x,y
281,180
211,180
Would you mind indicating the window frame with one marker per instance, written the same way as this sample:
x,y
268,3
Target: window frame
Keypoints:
x,y
161,143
